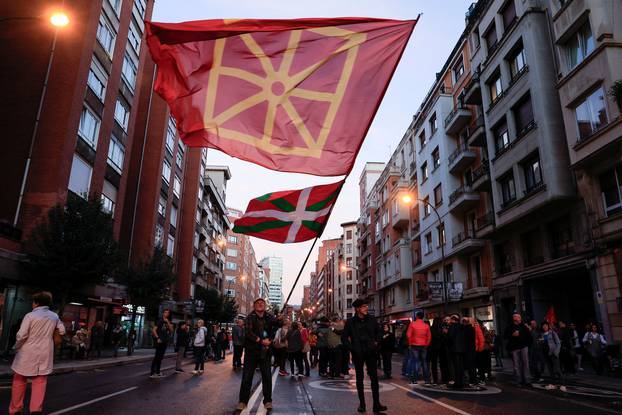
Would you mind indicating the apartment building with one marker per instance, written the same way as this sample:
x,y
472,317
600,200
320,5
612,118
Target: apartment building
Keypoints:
x,y
320,283
242,279
275,294
586,39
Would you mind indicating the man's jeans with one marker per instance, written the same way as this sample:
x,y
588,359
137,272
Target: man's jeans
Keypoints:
x,y
407,364
180,355
420,359
520,359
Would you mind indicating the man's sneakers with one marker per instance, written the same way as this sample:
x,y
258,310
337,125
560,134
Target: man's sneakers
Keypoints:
x,y
180,370
156,375
361,409
268,406
195,372
241,406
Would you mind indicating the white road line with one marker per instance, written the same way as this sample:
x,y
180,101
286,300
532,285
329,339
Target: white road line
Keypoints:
x,y
262,409
92,401
252,401
444,405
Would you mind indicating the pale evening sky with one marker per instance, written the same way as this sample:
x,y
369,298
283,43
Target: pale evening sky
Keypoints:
x,y
432,41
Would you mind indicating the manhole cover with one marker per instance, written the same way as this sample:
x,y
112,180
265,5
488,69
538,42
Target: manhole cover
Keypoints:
x,y
347,385
474,390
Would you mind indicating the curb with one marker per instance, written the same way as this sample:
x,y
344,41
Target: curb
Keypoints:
x,y
95,365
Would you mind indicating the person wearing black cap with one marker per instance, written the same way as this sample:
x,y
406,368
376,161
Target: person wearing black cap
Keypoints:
x,y
260,327
362,336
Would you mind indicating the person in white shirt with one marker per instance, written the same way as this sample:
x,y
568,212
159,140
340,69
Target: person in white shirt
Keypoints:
x,y
35,354
199,343
595,344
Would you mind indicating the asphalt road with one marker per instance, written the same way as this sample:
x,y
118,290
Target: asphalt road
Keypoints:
x,y
129,390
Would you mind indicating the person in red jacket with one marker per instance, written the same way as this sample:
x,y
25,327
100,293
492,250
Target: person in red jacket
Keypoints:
x,y
419,337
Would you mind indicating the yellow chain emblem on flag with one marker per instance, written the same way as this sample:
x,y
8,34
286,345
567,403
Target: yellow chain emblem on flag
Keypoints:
x,y
276,89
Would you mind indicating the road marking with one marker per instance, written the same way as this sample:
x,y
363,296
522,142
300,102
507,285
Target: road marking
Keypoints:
x,y
254,397
262,410
92,401
444,405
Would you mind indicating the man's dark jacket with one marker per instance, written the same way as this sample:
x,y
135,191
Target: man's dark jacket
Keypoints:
x,y
523,339
256,327
361,336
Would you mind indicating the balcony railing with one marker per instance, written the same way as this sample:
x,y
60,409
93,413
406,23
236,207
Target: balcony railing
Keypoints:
x,y
461,149
480,171
534,188
459,192
454,112
461,237
485,220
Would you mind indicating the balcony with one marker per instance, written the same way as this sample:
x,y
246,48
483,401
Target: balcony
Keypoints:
x,y
466,243
473,91
484,225
477,134
400,218
461,159
462,199
457,119
413,169
481,177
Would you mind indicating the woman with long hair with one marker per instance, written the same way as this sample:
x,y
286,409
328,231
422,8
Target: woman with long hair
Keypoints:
x,y
199,343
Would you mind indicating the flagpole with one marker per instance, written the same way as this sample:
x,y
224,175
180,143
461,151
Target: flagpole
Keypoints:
x,y
313,245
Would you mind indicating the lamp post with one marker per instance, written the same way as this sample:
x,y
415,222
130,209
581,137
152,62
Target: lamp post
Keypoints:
x,y
58,20
408,199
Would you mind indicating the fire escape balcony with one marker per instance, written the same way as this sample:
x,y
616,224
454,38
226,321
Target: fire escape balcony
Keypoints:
x,y
457,119
462,199
461,159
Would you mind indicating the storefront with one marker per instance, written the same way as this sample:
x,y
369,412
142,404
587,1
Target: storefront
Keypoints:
x,y
126,322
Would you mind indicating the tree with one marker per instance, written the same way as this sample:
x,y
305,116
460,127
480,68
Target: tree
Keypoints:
x,y
229,310
148,283
212,310
71,248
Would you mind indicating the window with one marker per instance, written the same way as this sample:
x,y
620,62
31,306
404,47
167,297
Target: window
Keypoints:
x,y
106,34
141,7
170,246
349,260
348,275
410,145
109,197
509,14
475,40
80,177
232,252
116,154
579,46
517,62
490,35
348,248
173,216
232,266
433,124
179,159
458,70
435,275
428,242
495,88
349,300
438,195
426,206
611,190
232,239
194,265
385,218
348,234
177,186
89,127
122,113
129,71
422,139
196,239
508,189
533,173
170,136
449,272
349,291
424,171
116,5
477,271
440,233
166,171
436,158
162,206
502,138
134,37
97,79
591,114
523,115
159,236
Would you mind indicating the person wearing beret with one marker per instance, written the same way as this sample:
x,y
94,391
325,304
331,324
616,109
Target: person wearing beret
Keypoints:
x,y
362,336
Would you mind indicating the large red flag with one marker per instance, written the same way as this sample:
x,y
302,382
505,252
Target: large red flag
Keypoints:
x,y
291,95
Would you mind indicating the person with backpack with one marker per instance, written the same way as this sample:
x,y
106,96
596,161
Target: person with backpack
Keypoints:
x,y
199,343
322,346
595,345
280,347
237,335
294,350
334,349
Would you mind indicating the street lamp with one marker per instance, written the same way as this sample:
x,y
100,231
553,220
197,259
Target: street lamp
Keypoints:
x,y
58,20
407,199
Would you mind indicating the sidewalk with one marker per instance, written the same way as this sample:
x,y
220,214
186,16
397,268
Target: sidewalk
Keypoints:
x,y
66,366
587,378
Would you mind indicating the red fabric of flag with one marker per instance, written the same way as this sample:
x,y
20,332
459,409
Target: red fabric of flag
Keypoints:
x,y
290,95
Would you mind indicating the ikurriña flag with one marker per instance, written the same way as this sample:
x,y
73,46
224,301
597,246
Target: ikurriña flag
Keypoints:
x,y
290,95
289,216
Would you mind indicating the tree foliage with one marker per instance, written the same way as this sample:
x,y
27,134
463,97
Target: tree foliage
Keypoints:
x,y
217,308
72,247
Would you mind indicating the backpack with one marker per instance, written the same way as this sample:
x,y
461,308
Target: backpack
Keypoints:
x,y
279,339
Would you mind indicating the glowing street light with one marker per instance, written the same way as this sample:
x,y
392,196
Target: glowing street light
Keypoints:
x,y
59,19
407,199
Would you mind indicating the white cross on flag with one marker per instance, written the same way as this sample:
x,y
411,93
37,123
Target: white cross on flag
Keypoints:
x,y
289,216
